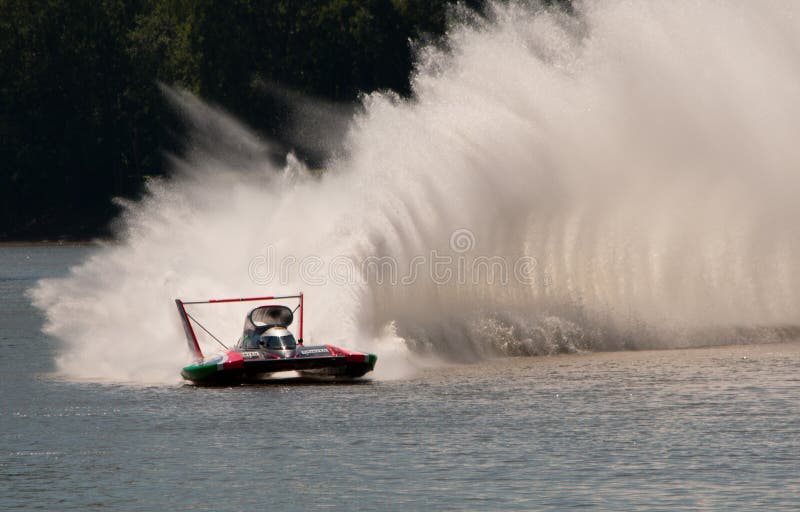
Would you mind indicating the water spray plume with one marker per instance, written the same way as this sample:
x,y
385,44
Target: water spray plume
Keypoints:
x,y
630,166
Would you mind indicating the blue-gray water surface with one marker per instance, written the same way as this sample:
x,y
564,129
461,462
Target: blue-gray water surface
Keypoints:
x,y
700,429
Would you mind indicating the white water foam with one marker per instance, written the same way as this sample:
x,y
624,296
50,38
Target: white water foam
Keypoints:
x,y
633,166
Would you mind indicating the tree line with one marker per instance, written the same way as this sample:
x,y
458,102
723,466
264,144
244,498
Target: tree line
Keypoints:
x,y
82,119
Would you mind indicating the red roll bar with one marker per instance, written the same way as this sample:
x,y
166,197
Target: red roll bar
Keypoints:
x,y
191,337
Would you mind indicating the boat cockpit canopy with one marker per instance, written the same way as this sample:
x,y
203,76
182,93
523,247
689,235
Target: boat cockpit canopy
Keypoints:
x,y
277,338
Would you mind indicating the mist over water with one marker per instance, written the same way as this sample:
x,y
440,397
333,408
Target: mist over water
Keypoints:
x,y
633,165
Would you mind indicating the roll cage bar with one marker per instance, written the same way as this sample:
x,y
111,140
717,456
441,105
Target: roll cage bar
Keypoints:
x,y
186,319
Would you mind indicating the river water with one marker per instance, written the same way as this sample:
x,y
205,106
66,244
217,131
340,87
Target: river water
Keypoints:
x,y
700,429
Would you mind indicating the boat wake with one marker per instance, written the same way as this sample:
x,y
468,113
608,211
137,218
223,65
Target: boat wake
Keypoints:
x,y
623,176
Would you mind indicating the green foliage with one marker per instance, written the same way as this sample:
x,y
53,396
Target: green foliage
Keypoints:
x,y
81,116
63,124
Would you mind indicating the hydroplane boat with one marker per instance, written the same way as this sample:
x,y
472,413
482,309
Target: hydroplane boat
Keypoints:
x,y
267,347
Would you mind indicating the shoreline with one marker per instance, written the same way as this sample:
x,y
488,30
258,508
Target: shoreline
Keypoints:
x,y
52,243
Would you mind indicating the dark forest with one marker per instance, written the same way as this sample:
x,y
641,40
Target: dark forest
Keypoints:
x,y
84,120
